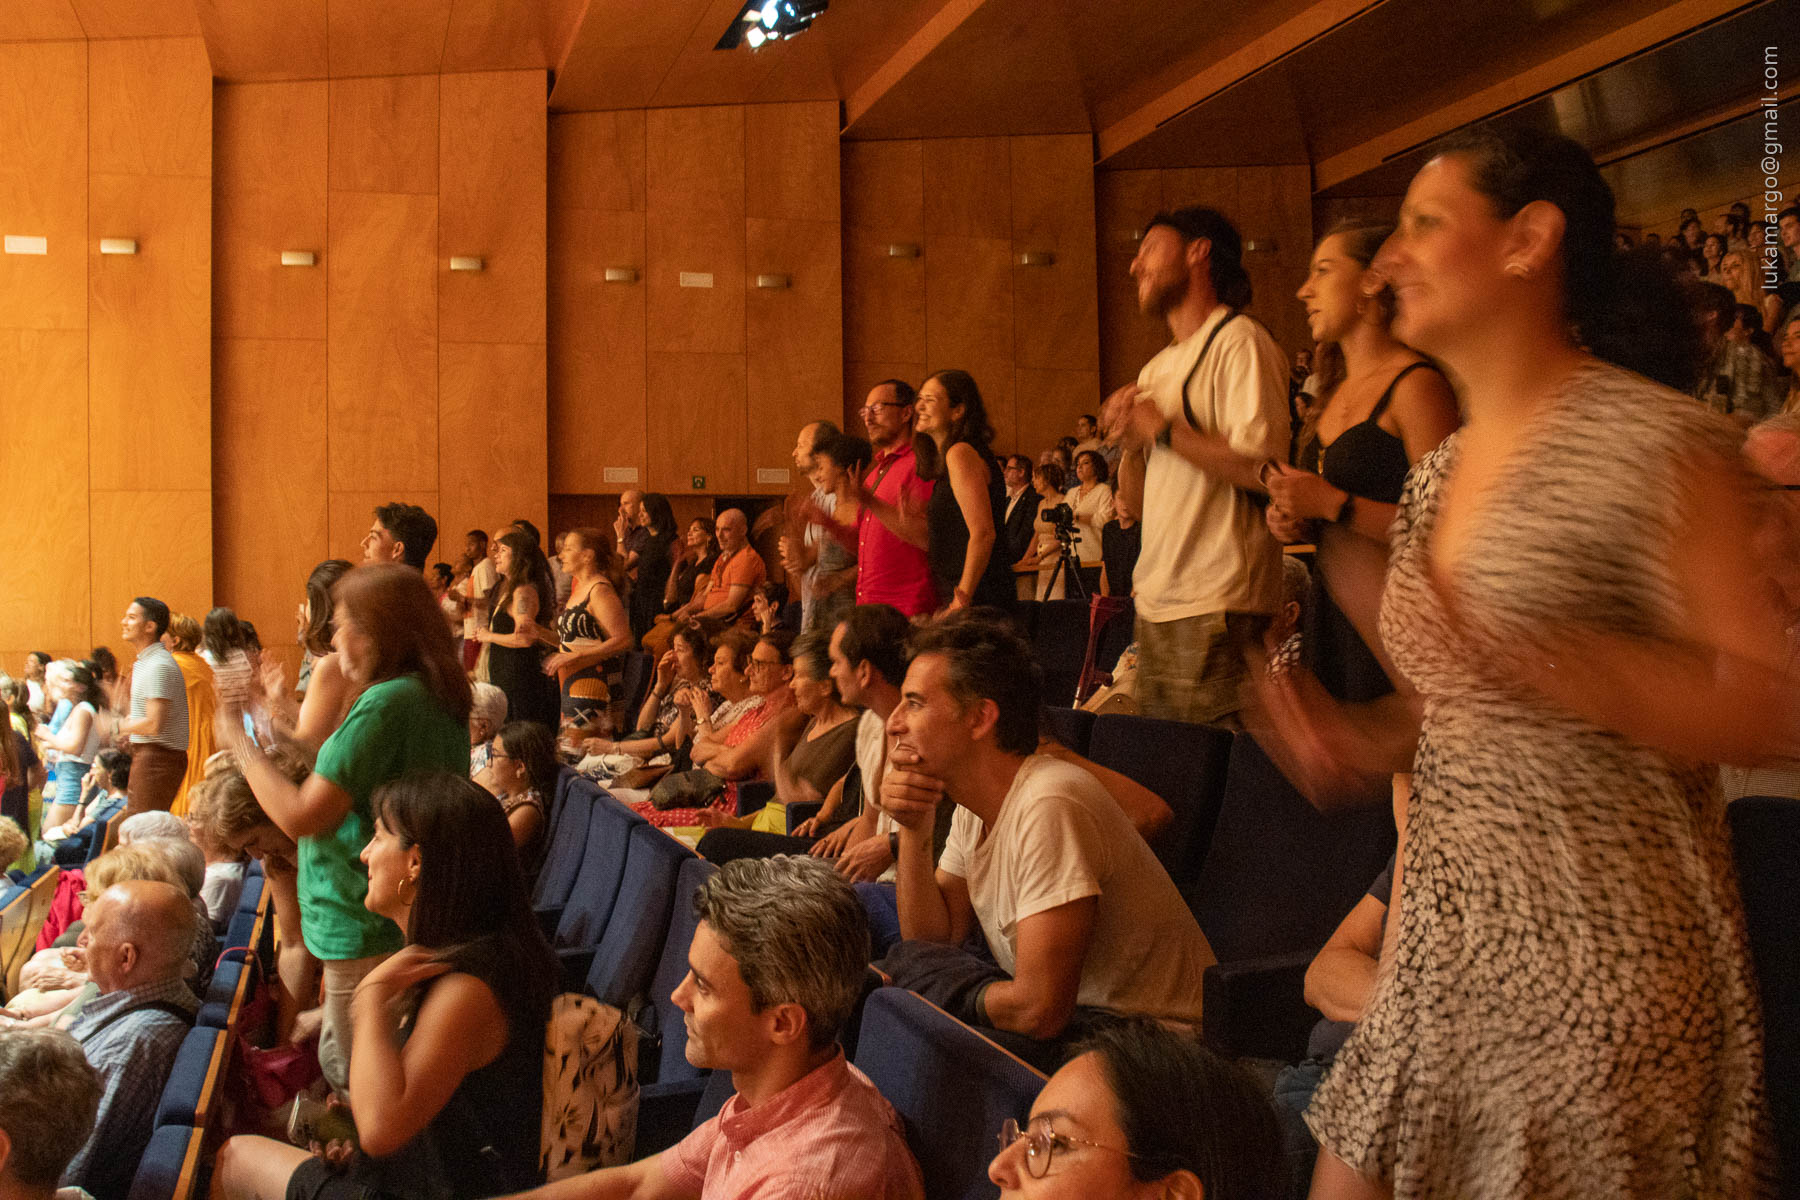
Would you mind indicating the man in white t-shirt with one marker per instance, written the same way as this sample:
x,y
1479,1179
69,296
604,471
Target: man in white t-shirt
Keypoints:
x,y
475,586
800,556
1198,428
1074,904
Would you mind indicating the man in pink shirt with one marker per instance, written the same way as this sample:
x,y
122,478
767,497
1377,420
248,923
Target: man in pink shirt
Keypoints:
x,y
889,568
774,971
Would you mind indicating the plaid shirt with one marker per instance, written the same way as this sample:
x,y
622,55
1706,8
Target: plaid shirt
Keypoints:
x,y
133,1055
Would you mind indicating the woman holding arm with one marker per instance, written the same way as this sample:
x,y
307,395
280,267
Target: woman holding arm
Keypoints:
x,y
665,723
593,631
962,520
411,714
448,1066
517,633
1567,1006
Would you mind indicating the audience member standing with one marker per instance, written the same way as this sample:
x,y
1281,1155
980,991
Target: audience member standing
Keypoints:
x,y
1021,509
800,556
197,677
222,646
158,724
72,747
889,569
838,465
1091,500
400,533
655,559
1570,1009
1205,416
628,530
1046,551
593,632
479,575
963,517
518,632
1385,408
411,714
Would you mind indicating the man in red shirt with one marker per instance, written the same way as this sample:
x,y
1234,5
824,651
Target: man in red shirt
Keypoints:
x,y
891,569
775,969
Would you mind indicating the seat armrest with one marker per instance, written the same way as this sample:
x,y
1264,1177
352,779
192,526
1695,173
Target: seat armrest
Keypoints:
x,y
751,796
576,962
549,916
801,811
1256,1007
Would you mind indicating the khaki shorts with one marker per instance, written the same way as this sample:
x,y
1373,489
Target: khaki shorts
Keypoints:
x,y
1193,669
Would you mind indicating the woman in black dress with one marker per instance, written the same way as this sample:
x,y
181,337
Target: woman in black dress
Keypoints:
x,y
520,629
968,504
1385,407
656,558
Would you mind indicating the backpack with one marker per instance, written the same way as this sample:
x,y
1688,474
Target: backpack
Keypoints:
x,y
590,1088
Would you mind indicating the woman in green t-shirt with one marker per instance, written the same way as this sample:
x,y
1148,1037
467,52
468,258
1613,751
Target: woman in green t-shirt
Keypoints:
x,y
410,713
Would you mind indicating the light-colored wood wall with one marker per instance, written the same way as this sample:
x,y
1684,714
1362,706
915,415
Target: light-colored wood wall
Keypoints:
x,y
1267,204
377,374
1029,335
656,384
104,374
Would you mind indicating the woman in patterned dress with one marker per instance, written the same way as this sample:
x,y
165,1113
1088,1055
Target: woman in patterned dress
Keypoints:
x,y
1565,1006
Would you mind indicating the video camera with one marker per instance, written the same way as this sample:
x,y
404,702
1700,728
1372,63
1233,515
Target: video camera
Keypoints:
x,y
1062,519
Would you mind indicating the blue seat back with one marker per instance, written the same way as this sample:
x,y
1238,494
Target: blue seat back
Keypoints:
x,y
169,1167
590,903
626,956
952,1086
1279,875
1182,763
215,1008
1765,838
669,1059
638,672
562,855
1058,644
184,1097
1072,727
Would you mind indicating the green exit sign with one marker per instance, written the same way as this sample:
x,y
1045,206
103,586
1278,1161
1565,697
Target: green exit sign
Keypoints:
x,y
699,482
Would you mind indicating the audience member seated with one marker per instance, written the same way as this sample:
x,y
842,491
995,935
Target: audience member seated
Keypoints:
x,y
692,568
521,774
487,713
21,772
15,848
665,724
775,970
593,632
736,573
146,826
1338,983
768,610
1076,909
737,751
1139,1111
1120,540
1284,641
48,1099
225,864
71,843
808,763
137,942
447,1060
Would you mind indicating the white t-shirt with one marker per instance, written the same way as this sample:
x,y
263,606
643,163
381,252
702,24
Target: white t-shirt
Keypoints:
x,y
479,582
1061,837
871,758
1206,548
814,537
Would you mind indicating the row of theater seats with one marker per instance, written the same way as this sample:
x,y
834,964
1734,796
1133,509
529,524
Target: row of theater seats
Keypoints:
x,y
23,907
188,1115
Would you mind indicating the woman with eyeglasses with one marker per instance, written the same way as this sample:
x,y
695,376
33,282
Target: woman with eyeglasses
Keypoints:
x,y
1141,1111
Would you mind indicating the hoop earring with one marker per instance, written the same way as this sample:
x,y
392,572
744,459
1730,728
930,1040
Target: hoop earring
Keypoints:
x,y
1518,270
400,888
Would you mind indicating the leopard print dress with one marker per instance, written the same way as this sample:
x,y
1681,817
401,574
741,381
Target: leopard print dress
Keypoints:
x,y
1570,1009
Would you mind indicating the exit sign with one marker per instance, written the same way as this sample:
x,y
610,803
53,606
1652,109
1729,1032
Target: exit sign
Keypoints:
x,y
699,482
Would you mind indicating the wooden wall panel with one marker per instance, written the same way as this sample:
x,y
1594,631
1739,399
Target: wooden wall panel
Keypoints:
x,y
269,196
597,336
994,376
697,422
149,543
384,134
149,377
884,188
151,108
491,197
968,188
269,486
40,21
695,160
968,300
1124,200
795,339
791,161
349,515
1055,308
884,299
270,40
491,460
382,298
44,183
136,18
1048,403
1276,210
1214,187
699,320
393,37
43,459
597,160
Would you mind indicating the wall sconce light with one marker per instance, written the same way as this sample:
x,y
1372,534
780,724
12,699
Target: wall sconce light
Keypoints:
x,y
902,250
1037,258
774,281
621,275
17,244
465,263
118,246
299,258
1261,246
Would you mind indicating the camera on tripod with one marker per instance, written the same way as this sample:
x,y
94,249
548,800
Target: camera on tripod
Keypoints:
x,y
1061,519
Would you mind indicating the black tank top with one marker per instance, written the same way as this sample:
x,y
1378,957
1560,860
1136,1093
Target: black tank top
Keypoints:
x,y
947,543
1366,460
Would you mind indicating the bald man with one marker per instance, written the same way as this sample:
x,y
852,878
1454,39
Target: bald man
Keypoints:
x,y
138,936
629,533
735,577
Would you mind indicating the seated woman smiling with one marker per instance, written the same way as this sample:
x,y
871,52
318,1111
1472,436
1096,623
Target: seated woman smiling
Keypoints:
x,y
446,1064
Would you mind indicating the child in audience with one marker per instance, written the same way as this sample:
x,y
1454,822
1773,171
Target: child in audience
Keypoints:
x,y
224,864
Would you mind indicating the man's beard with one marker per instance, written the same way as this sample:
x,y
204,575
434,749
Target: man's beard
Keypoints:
x,y
1165,293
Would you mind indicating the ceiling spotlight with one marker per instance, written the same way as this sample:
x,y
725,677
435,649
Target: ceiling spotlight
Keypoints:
x,y
760,22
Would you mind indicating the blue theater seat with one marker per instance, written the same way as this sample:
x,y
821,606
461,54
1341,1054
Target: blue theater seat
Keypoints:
x,y
170,1167
583,919
669,1085
1072,727
953,1087
222,993
627,954
567,842
1182,763
187,1096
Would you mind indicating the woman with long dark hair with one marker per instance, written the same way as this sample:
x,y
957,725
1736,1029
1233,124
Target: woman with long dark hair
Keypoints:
x,y
325,692
411,714
1567,1006
448,1066
522,771
520,630
1385,407
962,521
593,632
656,558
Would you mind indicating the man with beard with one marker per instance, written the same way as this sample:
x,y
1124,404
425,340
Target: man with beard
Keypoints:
x,y
1206,417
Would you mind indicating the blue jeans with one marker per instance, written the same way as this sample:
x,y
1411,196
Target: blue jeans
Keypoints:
x,y
882,904
1294,1089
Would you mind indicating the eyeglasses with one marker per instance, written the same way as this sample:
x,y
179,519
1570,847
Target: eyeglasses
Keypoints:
x,y
1041,1146
878,404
